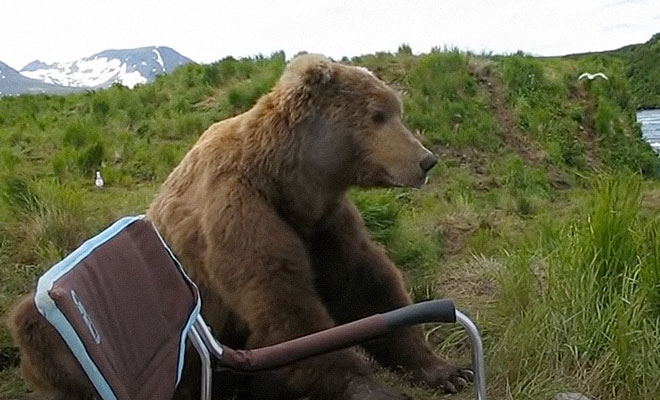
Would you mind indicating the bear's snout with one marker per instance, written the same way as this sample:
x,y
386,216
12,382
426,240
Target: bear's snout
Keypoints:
x,y
428,162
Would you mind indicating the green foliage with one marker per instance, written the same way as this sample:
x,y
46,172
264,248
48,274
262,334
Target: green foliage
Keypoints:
x,y
650,273
79,133
444,103
605,117
616,126
565,114
244,94
611,246
64,161
524,74
404,49
521,178
8,159
46,221
18,195
380,213
538,92
100,109
191,124
643,69
595,309
90,159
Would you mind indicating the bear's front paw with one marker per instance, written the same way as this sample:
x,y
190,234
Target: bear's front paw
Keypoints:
x,y
370,389
445,376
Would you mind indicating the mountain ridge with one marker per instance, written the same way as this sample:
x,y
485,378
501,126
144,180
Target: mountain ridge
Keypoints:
x,y
128,67
13,83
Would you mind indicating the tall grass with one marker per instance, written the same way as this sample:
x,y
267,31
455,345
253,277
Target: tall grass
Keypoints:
x,y
591,319
46,219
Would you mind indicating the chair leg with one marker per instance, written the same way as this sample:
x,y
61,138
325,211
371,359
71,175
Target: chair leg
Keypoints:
x,y
205,357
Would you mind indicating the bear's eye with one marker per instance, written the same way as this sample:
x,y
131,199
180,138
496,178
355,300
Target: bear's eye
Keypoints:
x,y
378,117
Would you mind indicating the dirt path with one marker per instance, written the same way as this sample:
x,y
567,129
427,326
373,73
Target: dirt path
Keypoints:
x,y
588,136
492,84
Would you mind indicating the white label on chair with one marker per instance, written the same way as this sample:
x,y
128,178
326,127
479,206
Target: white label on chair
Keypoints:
x,y
86,319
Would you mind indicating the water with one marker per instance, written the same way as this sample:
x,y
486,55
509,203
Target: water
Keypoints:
x,y
650,120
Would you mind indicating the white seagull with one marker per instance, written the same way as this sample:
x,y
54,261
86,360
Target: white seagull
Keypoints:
x,y
593,76
98,181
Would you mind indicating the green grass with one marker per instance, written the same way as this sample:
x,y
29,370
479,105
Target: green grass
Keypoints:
x,y
589,320
541,219
445,105
644,72
642,69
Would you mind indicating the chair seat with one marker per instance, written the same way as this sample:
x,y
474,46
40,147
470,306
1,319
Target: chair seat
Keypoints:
x,y
124,306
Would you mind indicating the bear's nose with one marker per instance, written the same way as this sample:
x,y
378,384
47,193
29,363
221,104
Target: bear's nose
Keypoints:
x,y
428,162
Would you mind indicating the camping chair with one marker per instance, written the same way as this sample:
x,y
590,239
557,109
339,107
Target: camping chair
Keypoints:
x,y
124,306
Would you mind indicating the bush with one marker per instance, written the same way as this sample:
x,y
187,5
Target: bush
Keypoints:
x,y
78,134
18,195
90,160
65,161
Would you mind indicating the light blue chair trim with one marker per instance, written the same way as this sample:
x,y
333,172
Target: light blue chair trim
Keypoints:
x,y
52,313
193,314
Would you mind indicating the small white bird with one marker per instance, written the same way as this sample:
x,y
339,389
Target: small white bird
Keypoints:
x,y
593,76
98,181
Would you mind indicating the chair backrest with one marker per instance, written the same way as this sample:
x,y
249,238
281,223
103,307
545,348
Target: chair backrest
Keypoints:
x,y
124,306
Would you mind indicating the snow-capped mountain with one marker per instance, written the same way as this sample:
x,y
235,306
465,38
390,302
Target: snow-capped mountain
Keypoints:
x,y
128,67
12,83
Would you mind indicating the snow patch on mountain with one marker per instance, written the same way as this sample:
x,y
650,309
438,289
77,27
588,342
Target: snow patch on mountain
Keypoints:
x,y
159,59
128,67
95,72
12,83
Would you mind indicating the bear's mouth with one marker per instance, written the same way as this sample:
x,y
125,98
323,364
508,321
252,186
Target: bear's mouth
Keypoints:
x,y
412,182
389,178
424,180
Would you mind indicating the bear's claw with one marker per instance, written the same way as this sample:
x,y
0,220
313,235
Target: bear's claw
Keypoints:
x,y
447,377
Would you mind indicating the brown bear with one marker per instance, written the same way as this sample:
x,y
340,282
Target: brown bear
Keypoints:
x,y
258,214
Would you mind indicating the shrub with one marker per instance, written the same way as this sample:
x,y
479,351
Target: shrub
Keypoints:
x,y
18,194
64,161
90,160
78,134
100,109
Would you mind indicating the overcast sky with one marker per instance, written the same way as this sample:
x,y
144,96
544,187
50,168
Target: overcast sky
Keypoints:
x,y
204,30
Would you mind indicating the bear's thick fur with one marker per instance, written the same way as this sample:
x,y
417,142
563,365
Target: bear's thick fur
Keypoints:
x,y
257,212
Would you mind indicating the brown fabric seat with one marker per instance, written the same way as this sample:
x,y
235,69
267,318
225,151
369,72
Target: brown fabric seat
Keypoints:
x,y
124,306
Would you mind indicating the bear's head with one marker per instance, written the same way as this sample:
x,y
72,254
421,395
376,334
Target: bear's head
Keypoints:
x,y
349,123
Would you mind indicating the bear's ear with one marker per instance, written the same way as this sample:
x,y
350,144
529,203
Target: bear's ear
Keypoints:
x,y
310,70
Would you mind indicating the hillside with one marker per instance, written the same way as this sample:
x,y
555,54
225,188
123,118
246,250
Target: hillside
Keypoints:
x,y
540,220
642,69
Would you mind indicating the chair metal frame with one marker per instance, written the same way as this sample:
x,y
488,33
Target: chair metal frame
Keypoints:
x,y
433,311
